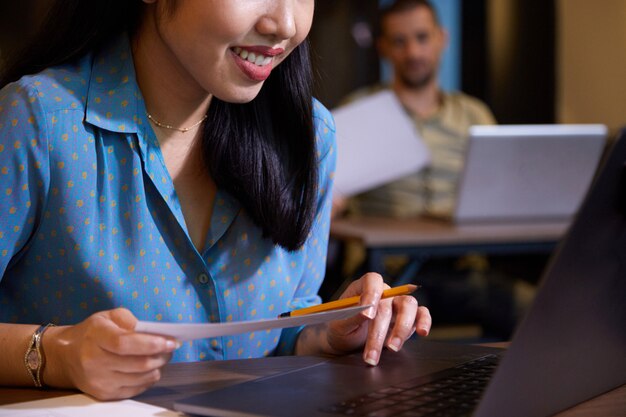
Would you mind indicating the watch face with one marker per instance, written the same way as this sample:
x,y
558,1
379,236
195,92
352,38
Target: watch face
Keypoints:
x,y
33,360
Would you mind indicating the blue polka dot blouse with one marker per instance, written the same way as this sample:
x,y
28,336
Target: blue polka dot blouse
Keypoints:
x,y
89,218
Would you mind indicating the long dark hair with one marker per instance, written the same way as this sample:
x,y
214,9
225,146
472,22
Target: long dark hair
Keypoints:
x,y
262,152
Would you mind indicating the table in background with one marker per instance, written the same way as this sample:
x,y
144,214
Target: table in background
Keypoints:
x,y
423,238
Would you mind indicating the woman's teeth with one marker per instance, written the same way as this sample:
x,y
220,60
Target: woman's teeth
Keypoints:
x,y
257,59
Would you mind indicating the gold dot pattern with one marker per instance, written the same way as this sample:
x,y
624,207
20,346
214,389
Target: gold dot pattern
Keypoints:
x,y
90,220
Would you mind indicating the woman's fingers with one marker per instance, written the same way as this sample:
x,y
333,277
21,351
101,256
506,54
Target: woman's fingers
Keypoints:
x,y
377,332
396,320
370,288
114,375
406,309
125,386
135,364
388,322
117,336
136,344
350,334
109,360
424,321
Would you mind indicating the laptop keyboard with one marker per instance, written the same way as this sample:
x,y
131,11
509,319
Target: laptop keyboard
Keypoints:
x,y
452,392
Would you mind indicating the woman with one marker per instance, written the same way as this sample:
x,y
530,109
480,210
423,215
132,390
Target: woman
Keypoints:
x,y
164,160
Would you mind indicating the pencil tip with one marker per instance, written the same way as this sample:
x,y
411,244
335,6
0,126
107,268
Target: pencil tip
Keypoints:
x,y
286,314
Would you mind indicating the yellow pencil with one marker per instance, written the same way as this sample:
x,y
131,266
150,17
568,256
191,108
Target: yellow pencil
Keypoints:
x,y
349,302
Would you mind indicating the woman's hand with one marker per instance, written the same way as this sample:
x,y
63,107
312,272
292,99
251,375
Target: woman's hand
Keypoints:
x,y
104,357
389,322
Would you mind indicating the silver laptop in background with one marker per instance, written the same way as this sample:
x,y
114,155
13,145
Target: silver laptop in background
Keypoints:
x,y
527,172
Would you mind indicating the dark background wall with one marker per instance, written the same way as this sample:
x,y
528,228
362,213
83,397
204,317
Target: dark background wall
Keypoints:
x,y
343,58
508,51
513,66
508,54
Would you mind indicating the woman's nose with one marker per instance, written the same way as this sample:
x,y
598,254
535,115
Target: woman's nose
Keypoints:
x,y
279,21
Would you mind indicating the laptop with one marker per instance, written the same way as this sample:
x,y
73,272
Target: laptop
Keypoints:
x,y
570,347
527,172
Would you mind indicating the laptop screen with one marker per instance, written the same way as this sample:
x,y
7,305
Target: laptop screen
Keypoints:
x,y
527,172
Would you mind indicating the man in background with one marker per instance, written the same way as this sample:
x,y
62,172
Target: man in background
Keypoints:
x,y
411,38
461,289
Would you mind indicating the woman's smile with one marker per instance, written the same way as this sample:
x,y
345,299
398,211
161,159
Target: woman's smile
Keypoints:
x,y
256,62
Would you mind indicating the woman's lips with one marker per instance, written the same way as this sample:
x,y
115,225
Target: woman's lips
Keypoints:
x,y
256,62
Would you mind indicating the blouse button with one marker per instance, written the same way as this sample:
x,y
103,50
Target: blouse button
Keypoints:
x,y
203,278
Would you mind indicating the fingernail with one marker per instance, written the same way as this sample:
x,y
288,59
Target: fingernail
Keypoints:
x,y
372,358
370,312
172,345
394,344
424,331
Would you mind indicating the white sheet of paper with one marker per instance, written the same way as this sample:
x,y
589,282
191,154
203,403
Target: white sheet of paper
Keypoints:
x,y
81,405
377,142
191,331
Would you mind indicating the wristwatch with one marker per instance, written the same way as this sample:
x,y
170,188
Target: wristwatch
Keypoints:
x,y
34,358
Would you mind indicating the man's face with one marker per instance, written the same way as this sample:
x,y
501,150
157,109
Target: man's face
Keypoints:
x,y
413,42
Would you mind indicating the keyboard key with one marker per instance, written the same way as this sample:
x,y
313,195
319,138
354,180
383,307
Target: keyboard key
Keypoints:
x,y
376,395
365,409
390,411
390,390
413,413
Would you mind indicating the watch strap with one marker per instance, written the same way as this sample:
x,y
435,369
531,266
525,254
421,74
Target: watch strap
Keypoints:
x,y
34,359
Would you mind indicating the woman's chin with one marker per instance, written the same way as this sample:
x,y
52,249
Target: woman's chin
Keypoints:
x,y
240,96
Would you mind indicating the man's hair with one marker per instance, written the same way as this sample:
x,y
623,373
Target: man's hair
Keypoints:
x,y
400,6
263,153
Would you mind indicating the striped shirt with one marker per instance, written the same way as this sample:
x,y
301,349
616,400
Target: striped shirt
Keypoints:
x,y
432,190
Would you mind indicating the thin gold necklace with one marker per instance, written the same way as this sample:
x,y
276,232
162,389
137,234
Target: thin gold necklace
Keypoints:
x,y
180,129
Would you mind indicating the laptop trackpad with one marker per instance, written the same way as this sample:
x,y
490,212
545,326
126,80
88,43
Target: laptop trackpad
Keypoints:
x,y
308,389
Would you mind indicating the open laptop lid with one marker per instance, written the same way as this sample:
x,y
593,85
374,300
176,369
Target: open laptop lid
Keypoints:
x,y
527,172
572,344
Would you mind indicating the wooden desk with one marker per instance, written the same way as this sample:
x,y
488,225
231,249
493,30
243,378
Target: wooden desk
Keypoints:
x,y
421,238
185,379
